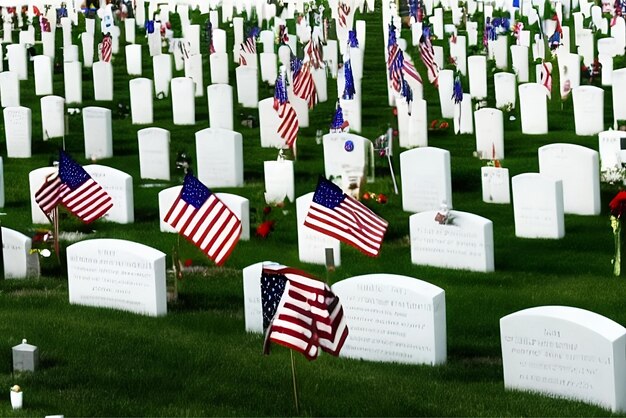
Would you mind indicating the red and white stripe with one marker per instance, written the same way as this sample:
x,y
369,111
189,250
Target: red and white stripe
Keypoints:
x,y
289,124
410,71
50,193
546,78
213,227
247,47
304,85
427,54
88,202
343,11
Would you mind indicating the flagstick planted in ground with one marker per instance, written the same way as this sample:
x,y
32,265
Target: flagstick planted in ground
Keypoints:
x,y
295,386
55,223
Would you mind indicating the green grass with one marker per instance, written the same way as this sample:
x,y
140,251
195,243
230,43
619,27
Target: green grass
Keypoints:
x,y
198,360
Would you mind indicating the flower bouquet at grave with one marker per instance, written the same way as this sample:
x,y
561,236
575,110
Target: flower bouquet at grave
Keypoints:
x,y
614,175
618,209
267,221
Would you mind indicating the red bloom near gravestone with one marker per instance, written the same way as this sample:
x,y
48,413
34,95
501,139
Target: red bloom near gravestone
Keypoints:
x,y
618,209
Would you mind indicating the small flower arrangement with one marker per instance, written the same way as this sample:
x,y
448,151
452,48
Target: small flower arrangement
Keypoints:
x,y
443,216
613,175
507,108
375,197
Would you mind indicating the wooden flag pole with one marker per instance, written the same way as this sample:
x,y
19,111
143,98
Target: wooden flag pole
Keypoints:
x,y
293,379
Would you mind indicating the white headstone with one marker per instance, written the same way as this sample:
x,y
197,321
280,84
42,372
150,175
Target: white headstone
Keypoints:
x,y
412,128
312,245
119,186
426,179
219,68
220,100
464,242
193,70
578,168
87,42
279,181
489,133
538,206
118,274
393,319
103,81
154,153
345,155
505,88
519,58
533,109
47,39
36,179
133,60
495,185
9,89
19,262
220,157
43,75
247,86
446,84
588,110
183,101
16,53
98,133
569,72
18,131
610,150
269,70
129,30
477,66
162,70
73,82
52,117
141,106
566,352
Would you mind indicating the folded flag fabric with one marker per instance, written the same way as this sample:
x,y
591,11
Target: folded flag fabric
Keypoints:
x,y
301,312
340,216
205,220
74,188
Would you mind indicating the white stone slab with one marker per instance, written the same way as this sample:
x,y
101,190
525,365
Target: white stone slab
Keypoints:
x,y
466,242
610,149
19,262
183,101
47,39
588,110
52,117
393,318
489,133
268,125
426,179
569,72
219,68
269,70
87,42
18,131
73,82
279,181
16,54
220,157
134,64
220,101
495,185
565,352
70,53
9,89
345,154
446,84
477,67
193,70
43,75
312,245
118,274
505,86
36,179
129,30
162,70
103,81
538,206
98,133
154,153
141,102
533,108
247,86
578,168
463,121
119,185
519,58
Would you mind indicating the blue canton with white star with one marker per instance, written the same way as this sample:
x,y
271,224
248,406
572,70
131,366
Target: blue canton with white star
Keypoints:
x,y
194,192
328,194
71,173
272,289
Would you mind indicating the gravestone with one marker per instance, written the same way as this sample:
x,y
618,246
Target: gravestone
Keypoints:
x,y
162,70
220,100
219,153
477,66
36,179
533,109
98,133
446,84
70,53
87,42
9,89
141,106
117,274
47,39
268,125
279,181
154,153
393,319
346,155
465,241
73,82
43,75
519,58
134,64
18,131
119,186
129,30
563,351
619,100
426,179
269,71
253,312
247,86
166,200
103,81
610,150
18,64
412,128
505,89
240,206
19,262
312,244
489,133
538,206
569,72
588,110
52,117
183,101
578,168
463,122
495,185
193,70
219,68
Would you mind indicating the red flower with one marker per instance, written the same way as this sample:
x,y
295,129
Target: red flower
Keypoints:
x,y
382,199
444,125
188,262
264,229
366,196
434,123
618,204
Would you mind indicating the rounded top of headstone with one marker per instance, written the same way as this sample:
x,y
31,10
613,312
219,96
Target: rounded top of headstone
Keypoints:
x,y
284,55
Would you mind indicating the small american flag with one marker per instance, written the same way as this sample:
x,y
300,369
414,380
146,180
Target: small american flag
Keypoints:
x,y
343,11
301,312
247,47
107,48
303,83
427,54
289,124
546,77
338,215
74,188
205,220
394,64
